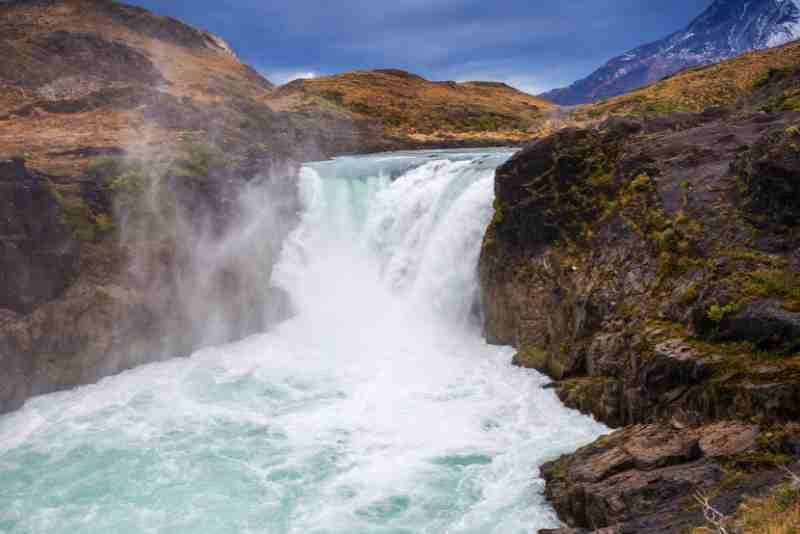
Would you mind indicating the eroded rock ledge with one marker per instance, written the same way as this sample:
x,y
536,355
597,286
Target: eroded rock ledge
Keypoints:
x,y
652,269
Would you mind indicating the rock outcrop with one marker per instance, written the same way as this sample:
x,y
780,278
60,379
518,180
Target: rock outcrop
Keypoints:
x,y
650,267
83,301
646,478
127,144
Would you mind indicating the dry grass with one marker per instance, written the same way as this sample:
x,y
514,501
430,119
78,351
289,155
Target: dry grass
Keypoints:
x,y
778,513
414,108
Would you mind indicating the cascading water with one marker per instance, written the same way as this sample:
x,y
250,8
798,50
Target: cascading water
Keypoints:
x,y
376,409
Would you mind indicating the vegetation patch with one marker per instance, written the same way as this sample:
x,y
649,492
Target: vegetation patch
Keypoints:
x,y
775,513
75,212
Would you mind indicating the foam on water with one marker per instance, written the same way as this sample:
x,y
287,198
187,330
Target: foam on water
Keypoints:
x,y
376,409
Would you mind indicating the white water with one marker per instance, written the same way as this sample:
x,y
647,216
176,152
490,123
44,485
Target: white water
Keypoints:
x,y
377,409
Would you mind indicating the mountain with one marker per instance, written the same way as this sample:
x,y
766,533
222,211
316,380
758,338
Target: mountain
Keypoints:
x,y
726,29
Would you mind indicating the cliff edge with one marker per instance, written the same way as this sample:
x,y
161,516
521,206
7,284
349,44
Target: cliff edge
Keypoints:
x,y
651,267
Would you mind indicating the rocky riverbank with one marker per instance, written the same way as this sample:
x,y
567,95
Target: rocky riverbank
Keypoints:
x,y
651,268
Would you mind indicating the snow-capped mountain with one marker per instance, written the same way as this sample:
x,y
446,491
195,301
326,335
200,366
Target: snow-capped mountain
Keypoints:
x,y
727,28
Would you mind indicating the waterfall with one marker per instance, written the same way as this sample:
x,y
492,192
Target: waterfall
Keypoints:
x,y
376,409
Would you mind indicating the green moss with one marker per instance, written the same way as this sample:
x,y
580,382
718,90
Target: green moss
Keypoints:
x,y
532,358
775,283
755,461
661,108
197,162
786,496
393,120
771,76
488,122
498,217
718,313
74,211
595,113
104,169
333,96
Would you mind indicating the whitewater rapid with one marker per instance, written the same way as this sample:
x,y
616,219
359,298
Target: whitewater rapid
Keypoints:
x,y
376,409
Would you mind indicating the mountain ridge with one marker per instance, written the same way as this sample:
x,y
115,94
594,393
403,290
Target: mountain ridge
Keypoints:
x,y
724,30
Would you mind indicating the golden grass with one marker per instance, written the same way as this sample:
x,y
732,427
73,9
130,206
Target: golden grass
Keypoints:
x,y
412,107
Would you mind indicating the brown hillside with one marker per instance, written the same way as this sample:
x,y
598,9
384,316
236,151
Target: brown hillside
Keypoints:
x,y
411,109
85,77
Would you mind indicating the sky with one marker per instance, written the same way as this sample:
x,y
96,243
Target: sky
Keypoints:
x,y
534,45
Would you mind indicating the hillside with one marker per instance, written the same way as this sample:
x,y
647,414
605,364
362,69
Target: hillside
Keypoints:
x,y
81,78
728,83
724,30
413,111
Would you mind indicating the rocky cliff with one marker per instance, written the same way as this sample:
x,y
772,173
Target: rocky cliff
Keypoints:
x,y
650,266
127,144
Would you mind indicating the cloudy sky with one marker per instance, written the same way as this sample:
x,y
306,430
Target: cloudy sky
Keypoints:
x,y
534,45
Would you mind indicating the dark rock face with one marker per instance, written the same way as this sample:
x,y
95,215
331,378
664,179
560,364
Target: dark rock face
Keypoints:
x,y
621,259
726,29
642,266
770,171
39,257
76,308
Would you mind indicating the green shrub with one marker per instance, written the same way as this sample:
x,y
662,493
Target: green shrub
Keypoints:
x,y
74,212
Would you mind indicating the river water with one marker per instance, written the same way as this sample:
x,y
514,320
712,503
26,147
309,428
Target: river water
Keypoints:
x,y
377,408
